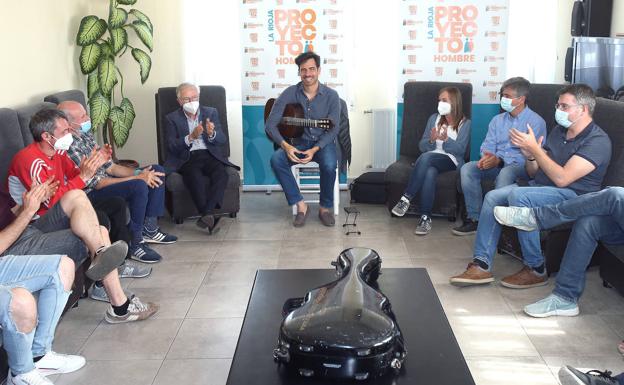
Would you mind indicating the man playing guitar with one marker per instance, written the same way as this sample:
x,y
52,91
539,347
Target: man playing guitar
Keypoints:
x,y
316,144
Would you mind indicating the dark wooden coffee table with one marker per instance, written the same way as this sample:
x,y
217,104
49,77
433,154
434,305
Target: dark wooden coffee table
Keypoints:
x,y
433,354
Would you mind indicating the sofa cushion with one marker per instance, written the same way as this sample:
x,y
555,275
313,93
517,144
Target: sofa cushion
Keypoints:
x,y
25,113
75,95
12,140
609,115
175,182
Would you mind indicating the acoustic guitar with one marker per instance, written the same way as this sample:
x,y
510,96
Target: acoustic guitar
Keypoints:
x,y
293,122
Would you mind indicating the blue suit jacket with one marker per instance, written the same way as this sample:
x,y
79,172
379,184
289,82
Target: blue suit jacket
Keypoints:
x,y
176,128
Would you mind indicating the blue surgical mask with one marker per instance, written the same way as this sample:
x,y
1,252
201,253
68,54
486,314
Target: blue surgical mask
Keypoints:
x,y
506,105
85,126
562,118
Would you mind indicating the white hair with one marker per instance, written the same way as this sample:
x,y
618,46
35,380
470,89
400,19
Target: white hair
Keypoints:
x,y
183,86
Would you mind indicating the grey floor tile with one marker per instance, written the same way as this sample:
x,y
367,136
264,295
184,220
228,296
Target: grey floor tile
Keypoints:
x,y
311,248
176,274
581,335
225,273
451,248
143,340
616,322
246,250
187,252
188,231
391,247
206,338
269,230
174,301
477,301
123,372
483,335
220,302
497,370
193,372
72,333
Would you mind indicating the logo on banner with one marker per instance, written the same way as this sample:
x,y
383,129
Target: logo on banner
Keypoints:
x,y
281,73
493,71
409,71
494,45
333,24
333,73
411,47
255,86
453,29
439,71
253,12
253,37
413,10
280,85
254,61
495,8
293,31
332,61
250,74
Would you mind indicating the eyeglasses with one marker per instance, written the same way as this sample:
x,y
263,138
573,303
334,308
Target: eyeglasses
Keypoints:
x,y
189,99
565,107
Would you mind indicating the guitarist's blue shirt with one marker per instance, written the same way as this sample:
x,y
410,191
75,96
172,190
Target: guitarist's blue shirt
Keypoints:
x,y
325,105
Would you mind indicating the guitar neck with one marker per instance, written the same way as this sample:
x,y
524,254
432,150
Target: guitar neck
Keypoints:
x,y
301,122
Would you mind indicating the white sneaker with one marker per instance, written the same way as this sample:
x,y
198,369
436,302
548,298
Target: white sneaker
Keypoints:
x,y
34,377
98,293
56,363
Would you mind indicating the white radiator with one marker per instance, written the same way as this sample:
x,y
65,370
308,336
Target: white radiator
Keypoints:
x,y
384,138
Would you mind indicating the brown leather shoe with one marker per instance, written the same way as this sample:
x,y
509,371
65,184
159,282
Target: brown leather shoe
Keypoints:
x,y
473,275
300,218
524,279
327,218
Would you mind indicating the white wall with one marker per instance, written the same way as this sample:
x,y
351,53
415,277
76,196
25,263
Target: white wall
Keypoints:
x,y
617,20
38,49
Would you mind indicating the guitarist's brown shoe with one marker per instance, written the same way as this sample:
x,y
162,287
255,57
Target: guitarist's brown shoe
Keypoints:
x,y
300,218
327,218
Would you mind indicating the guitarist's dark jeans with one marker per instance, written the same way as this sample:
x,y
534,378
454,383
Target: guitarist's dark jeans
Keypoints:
x,y
326,159
202,164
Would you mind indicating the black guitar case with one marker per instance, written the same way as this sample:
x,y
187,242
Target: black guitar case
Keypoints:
x,y
345,329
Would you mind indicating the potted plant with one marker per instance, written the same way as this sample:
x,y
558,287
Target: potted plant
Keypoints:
x,y
103,42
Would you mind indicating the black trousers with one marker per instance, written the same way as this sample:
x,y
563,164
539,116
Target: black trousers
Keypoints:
x,y
202,164
112,213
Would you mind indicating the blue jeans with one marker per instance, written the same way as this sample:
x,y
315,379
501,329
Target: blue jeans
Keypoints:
x,y
488,230
471,177
598,216
35,273
142,200
620,378
327,161
423,178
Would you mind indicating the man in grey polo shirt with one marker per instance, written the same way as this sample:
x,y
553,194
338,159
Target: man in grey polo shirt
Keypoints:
x,y
573,161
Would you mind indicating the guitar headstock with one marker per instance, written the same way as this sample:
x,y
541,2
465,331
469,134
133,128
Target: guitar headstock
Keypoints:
x,y
325,124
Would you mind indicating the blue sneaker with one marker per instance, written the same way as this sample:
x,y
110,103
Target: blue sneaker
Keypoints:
x,y
552,305
143,253
158,236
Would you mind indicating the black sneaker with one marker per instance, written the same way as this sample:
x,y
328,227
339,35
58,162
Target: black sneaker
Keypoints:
x,y
571,376
424,226
468,227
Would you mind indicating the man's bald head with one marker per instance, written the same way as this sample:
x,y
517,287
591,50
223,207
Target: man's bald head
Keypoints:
x,y
76,114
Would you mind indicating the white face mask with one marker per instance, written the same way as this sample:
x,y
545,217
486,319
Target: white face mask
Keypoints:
x,y
63,143
444,108
191,107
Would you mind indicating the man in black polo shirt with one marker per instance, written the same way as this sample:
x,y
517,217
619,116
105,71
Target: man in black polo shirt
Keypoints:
x,y
573,161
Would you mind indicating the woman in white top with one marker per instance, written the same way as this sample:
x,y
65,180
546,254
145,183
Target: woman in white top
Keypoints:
x,y
443,146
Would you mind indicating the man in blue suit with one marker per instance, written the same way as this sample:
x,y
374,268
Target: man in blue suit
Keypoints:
x,y
195,142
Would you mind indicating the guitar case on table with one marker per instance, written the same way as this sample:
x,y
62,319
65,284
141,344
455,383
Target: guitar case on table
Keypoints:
x,y
345,329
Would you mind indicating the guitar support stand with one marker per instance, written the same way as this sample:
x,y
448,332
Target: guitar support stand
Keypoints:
x,y
351,210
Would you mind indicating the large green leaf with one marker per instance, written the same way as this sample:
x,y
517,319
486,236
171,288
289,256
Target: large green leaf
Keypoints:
x,y
122,119
144,33
126,2
143,17
92,84
89,57
99,106
119,37
128,109
91,28
117,17
144,62
107,50
107,76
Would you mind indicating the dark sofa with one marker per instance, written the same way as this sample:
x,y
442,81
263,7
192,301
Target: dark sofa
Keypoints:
x,y
420,101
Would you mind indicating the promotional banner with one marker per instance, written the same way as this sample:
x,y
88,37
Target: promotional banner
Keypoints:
x,y
456,41
273,33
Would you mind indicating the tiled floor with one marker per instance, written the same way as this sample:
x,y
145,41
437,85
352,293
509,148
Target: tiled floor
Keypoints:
x,y
204,282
